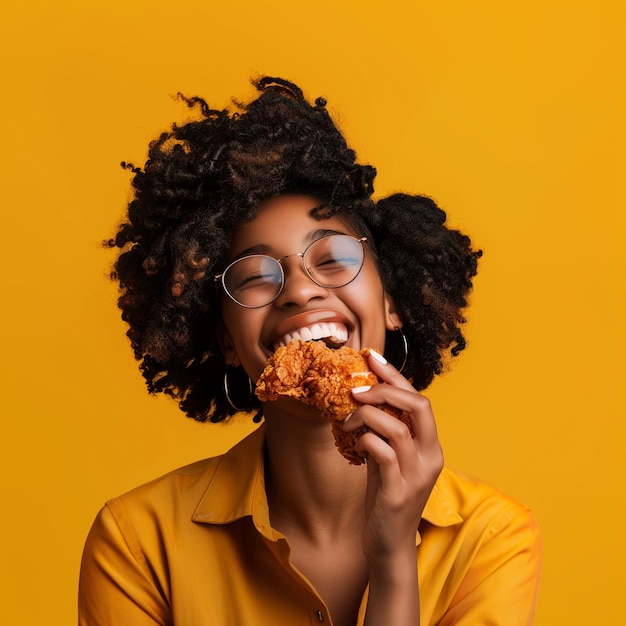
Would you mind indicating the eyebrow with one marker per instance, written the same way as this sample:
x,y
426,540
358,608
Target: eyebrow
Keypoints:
x,y
310,237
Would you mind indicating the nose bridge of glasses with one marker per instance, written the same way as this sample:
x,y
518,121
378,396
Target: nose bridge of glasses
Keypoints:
x,y
298,282
285,267
282,258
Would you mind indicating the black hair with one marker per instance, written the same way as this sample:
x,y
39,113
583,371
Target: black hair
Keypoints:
x,y
204,177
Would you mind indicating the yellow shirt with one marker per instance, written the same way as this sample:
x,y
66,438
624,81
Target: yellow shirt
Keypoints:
x,y
196,548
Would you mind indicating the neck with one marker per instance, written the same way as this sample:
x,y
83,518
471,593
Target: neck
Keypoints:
x,y
311,488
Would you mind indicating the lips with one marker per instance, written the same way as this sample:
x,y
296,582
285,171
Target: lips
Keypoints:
x,y
330,326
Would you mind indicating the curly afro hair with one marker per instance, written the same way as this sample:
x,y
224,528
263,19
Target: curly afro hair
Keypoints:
x,y
204,177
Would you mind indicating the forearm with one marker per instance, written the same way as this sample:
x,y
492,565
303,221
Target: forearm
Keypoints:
x,y
394,593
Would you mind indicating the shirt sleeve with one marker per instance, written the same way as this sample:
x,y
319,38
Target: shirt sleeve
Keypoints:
x,y
500,586
116,583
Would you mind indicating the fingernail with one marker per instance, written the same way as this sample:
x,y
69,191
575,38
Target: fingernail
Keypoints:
x,y
363,389
378,356
347,417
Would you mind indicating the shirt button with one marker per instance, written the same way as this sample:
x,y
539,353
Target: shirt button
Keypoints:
x,y
320,616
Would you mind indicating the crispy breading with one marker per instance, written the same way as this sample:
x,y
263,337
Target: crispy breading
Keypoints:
x,y
322,377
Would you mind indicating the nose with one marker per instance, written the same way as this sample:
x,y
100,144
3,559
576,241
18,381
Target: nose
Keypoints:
x,y
298,288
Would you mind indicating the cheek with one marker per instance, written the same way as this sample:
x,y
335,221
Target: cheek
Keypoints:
x,y
367,299
233,323
370,285
241,324
243,329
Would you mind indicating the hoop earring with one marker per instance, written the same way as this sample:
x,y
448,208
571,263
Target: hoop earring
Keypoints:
x,y
227,389
405,348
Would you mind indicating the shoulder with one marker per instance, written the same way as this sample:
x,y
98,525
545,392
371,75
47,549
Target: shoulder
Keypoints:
x,y
126,563
172,499
485,513
481,551
130,530
470,496
167,493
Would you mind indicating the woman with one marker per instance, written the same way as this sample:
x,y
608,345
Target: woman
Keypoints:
x,y
281,529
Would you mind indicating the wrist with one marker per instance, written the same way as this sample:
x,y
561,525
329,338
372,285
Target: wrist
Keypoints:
x,y
394,592
393,567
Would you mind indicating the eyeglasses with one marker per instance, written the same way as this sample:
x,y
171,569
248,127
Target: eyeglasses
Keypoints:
x,y
257,280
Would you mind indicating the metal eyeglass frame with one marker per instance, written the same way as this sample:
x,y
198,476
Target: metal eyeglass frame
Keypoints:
x,y
220,277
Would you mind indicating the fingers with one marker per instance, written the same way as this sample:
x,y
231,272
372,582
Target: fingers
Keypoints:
x,y
387,372
389,437
415,405
404,458
411,401
390,441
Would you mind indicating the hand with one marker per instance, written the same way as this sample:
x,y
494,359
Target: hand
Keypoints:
x,y
402,469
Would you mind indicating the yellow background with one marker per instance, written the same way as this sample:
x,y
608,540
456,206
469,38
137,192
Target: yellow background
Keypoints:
x,y
510,114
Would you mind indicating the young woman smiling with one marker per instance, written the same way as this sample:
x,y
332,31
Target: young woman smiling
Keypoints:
x,y
248,230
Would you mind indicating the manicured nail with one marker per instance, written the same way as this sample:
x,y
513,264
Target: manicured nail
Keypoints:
x,y
363,389
378,356
347,417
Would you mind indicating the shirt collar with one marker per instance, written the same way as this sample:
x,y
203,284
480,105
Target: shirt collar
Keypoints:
x,y
439,509
236,489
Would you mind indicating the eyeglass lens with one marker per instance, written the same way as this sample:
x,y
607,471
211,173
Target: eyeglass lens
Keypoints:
x,y
256,280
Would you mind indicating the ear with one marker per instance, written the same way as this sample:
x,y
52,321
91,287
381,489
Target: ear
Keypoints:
x,y
227,345
393,319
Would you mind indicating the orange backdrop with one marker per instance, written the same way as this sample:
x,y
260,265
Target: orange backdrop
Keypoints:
x,y
511,115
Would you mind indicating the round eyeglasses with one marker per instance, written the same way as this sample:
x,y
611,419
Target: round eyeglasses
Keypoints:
x,y
256,280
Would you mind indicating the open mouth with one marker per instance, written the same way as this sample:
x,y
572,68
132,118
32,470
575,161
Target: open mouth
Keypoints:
x,y
333,334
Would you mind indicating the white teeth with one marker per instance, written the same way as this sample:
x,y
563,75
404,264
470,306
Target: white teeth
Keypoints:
x,y
316,331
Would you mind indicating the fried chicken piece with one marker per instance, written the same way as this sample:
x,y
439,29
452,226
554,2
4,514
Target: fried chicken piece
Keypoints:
x,y
323,377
